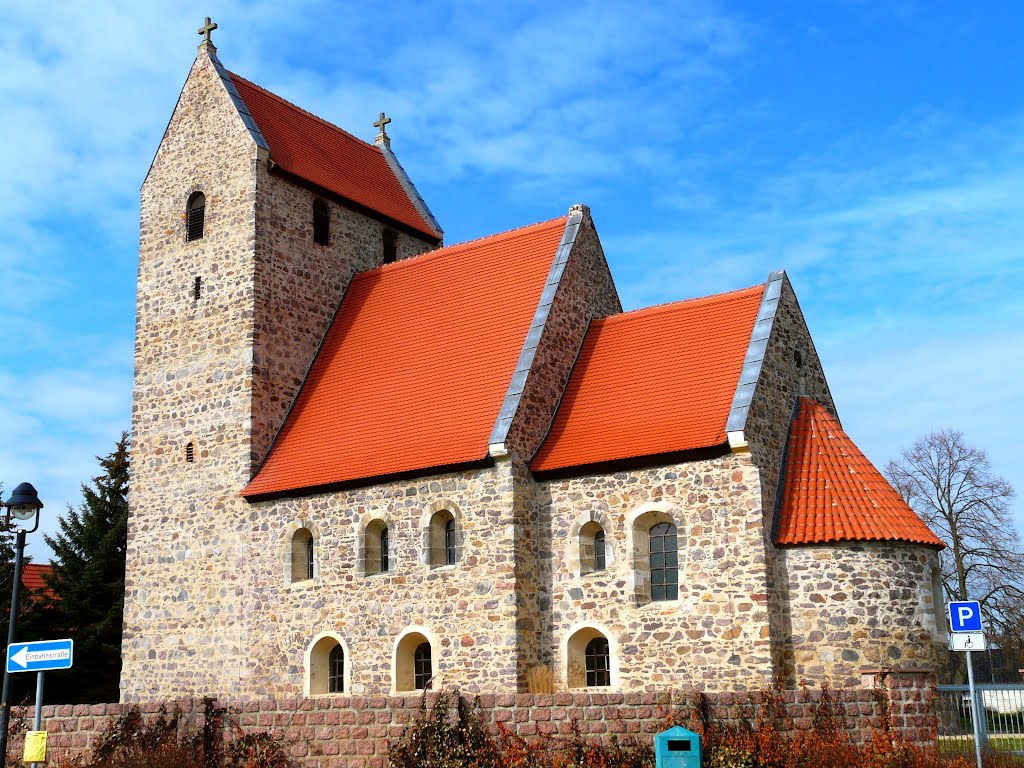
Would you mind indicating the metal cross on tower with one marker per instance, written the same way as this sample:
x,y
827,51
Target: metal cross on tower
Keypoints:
x,y
383,121
206,29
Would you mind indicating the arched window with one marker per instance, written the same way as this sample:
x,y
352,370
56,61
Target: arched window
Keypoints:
x,y
195,216
598,662
336,670
588,659
377,555
664,562
593,556
325,665
321,222
390,246
442,539
422,668
414,661
303,563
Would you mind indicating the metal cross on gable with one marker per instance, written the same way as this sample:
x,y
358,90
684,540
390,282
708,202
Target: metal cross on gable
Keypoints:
x,y
383,121
206,29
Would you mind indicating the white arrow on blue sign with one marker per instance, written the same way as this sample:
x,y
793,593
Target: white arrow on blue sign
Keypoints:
x,y
40,656
965,616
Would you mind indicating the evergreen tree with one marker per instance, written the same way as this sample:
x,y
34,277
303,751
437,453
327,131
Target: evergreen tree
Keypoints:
x,y
88,585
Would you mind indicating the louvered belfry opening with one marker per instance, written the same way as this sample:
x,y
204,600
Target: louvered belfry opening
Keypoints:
x,y
321,222
197,288
196,216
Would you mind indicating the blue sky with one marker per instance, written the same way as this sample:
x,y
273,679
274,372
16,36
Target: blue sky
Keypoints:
x,y
873,150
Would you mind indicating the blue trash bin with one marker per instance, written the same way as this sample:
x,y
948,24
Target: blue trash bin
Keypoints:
x,y
677,748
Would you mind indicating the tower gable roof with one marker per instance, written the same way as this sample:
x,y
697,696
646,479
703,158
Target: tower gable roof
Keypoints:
x,y
832,493
652,383
412,373
328,157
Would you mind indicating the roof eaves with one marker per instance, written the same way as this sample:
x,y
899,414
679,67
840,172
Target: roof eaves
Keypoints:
x,y
753,360
516,387
410,190
628,463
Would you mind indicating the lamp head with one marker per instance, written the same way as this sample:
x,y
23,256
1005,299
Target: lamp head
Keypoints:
x,y
24,503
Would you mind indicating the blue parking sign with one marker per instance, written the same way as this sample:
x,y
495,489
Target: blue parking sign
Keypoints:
x,y
965,616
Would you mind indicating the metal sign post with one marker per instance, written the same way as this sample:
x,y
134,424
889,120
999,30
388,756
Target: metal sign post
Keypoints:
x,y
38,657
968,635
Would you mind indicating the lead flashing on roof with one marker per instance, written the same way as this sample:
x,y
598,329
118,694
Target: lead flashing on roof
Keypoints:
x,y
236,99
410,189
752,362
514,394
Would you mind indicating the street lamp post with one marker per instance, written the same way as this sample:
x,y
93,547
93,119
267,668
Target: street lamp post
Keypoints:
x,y
23,506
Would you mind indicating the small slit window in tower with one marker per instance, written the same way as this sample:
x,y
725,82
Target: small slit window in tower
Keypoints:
x,y
197,288
390,246
196,216
190,453
321,222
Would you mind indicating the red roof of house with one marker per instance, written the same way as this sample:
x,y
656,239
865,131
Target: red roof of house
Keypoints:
x,y
833,493
319,152
414,369
655,381
32,577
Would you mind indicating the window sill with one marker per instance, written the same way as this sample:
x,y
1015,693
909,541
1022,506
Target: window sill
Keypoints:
x,y
305,583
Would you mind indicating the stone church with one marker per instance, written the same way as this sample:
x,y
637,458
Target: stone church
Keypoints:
x,y
367,462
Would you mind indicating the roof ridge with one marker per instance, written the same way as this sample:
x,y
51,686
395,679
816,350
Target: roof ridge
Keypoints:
x,y
306,112
438,252
503,233
669,306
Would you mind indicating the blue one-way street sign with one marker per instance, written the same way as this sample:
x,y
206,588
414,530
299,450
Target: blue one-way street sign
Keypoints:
x,y
965,616
39,656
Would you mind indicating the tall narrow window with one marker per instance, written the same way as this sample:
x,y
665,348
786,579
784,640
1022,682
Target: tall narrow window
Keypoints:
x,y
390,246
664,562
422,670
598,663
376,557
303,556
592,551
321,222
197,288
449,542
599,553
384,560
190,453
196,216
336,670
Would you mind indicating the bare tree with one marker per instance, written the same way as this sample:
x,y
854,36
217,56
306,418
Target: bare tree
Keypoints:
x,y
952,487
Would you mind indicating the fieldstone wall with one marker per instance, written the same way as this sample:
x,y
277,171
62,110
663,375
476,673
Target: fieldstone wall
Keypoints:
x,y
716,635
218,372
790,368
467,610
851,607
355,731
185,558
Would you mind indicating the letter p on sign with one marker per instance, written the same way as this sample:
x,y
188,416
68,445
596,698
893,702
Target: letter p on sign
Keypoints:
x,y
965,616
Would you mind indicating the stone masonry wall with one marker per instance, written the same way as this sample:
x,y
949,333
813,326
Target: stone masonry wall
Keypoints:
x,y
219,372
850,607
299,285
355,731
585,291
467,610
783,378
716,635
184,557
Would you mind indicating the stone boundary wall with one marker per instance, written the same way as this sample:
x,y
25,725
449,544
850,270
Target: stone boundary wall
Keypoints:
x,y
354,731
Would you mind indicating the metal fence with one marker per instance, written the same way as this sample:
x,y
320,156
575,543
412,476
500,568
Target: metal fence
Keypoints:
x,y
1002,726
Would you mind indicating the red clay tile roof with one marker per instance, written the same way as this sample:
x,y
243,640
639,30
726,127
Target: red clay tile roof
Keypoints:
x,y
654,381
313,149
833,493
412,373
32,577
